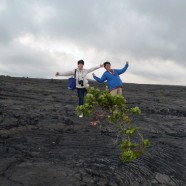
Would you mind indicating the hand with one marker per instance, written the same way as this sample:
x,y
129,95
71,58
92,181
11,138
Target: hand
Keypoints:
x,y
101,65
57,74
127,62
93,74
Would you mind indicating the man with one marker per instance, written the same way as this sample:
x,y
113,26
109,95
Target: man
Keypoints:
x,y
112,78
81,79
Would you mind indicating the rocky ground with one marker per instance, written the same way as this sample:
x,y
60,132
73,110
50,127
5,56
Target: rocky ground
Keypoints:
x,y
44,143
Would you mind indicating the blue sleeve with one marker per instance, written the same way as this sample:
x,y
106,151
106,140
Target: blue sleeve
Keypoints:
x,y
100,80
121,71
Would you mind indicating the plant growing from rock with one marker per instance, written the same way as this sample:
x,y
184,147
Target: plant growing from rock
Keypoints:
x,y
103,106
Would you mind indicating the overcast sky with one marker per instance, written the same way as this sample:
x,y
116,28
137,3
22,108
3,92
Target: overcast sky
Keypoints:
x,y
40,37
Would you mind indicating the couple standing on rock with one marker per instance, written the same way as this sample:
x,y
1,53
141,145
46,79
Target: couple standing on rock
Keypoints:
x,y
110,75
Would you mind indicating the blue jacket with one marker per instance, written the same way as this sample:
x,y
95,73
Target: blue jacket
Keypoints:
x,y
113,81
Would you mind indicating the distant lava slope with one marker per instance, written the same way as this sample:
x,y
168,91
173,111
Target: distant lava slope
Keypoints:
x,y
43,142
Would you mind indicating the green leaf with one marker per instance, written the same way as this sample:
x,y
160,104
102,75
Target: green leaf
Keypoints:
x,y
135,110
119,117
146,143
130,131
128,156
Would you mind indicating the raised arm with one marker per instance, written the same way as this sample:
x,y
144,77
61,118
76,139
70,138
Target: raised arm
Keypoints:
x,y
68,73
94,68
121,71
100,80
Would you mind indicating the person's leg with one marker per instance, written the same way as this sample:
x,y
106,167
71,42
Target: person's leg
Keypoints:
x,y
119,91
113,92
85,93
81,95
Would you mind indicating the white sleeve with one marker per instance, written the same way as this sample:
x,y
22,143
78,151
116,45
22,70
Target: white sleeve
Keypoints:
x,y
92,69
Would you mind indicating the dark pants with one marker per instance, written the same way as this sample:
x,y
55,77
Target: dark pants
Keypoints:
x,y
81,94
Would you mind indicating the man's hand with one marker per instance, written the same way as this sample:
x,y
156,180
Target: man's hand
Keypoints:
x,y
57,74
93,74
101,65
127,62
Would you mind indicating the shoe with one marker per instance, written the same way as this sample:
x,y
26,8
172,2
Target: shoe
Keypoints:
x,y
94,122
81,115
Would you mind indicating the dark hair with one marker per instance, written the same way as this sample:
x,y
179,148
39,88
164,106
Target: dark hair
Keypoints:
x,y
81,62
106,63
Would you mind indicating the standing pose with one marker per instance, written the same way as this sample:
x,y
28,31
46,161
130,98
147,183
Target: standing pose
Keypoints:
x,y
81,79
112,77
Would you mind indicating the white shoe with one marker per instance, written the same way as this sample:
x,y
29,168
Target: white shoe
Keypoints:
x,y
81,115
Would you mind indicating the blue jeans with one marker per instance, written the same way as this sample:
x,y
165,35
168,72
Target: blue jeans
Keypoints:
x,y
81,94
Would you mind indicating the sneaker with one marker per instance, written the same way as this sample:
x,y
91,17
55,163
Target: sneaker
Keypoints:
x,y
94,122
81,115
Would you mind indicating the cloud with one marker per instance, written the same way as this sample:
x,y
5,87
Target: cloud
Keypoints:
x,y
40,37
23,61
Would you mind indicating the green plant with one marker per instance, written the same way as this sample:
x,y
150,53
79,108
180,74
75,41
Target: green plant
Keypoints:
x,y
104,106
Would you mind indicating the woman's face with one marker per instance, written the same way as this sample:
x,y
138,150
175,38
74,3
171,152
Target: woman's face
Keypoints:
x,y
80,66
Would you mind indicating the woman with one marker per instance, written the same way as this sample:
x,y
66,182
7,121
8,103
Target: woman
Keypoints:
x,y
81,79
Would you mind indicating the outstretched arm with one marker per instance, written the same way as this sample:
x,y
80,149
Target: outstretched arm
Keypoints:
x,y
69,73
100,80
94,68
121,71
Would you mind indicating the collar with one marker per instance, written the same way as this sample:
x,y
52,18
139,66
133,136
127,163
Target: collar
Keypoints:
x,y
111,71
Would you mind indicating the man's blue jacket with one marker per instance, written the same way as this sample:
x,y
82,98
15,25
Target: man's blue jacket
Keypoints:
x,y
113,81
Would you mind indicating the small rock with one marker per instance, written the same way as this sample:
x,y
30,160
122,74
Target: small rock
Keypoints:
x,y
164,179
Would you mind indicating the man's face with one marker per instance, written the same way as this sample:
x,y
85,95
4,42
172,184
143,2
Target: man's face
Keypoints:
x,y
108,66
80,66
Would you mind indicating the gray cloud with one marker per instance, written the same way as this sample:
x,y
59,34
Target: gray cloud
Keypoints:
x,y
26,62
143,30
148,29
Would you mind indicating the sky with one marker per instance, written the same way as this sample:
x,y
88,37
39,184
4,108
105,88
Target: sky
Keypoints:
x,y
40,38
